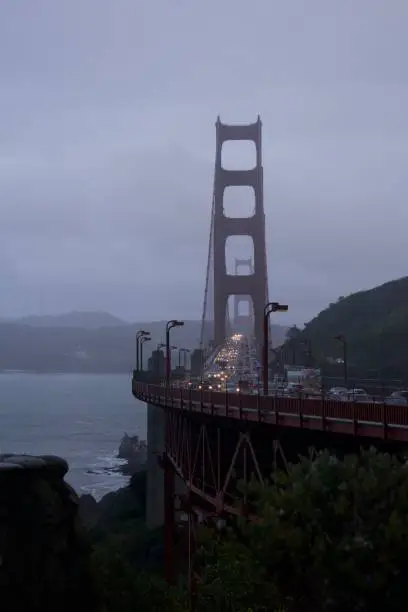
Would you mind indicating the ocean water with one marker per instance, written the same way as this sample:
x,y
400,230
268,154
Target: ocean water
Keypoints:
x,y
81,418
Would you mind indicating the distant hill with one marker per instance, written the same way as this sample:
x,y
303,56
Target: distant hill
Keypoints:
x,y
188,336
84,320
89,342
375,325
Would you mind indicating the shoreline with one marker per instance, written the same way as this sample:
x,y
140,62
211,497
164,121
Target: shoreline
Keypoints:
x,y
132,454
97,511
66,372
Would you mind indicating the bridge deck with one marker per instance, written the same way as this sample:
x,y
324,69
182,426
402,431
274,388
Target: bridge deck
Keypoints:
x,y
386,422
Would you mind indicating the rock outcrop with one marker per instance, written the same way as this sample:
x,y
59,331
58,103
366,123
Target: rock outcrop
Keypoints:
x,y
112,512
134,451
44,556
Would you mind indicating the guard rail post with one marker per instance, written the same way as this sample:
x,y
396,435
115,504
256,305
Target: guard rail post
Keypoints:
x,y
258,406
324,415
385,420
301,414
355,419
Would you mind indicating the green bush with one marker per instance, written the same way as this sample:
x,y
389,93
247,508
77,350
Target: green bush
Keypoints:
x,y
124,587
332,536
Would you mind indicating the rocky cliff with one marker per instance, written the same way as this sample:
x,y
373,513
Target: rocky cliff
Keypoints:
x,y
44,555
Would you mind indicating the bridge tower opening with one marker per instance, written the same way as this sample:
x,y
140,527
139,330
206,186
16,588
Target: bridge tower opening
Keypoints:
x,y
252,286
243,316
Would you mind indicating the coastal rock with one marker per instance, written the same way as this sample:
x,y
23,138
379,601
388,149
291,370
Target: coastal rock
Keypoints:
x,y
131,448
115,509
134,451
44,556
7,466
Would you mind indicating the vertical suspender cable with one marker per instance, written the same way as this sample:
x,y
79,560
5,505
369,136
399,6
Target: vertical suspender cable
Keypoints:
x,y
208,272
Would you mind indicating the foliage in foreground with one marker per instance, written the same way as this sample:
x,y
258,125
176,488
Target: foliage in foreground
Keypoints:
x,y
333,535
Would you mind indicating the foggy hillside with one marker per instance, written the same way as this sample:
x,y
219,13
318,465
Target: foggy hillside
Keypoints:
x,y
86,320
72,348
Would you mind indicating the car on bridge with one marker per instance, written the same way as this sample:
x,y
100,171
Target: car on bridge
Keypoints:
x,y
398,398
293,388
358,395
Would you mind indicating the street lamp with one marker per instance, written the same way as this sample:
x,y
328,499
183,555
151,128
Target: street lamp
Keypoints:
x,y
143,339
162,345
139,335
169,326
269,308
342,339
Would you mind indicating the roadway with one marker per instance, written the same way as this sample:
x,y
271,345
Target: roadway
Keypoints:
x,y
233,366
365,420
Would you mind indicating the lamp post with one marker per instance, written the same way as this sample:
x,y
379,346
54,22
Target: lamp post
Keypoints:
x,y
342,339
139,335
143,339
269,308
169,326
274,359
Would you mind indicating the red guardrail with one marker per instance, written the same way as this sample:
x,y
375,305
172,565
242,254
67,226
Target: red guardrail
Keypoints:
x,y
367,420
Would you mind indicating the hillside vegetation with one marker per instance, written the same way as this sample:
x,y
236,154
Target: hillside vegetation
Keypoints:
x,y
375,325
332,538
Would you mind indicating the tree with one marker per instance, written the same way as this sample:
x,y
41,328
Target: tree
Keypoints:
x,y
293,333
332,536
124,587
375,323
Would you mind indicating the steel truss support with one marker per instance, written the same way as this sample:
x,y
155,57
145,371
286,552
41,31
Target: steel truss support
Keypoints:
x,y
217,464
213,462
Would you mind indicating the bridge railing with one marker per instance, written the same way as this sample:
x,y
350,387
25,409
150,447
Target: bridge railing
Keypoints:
x,y
239,405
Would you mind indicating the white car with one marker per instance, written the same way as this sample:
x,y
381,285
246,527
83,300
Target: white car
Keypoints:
x,y
338,391
396,400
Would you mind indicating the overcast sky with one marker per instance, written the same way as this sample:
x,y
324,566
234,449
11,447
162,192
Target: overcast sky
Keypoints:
x,y
107,148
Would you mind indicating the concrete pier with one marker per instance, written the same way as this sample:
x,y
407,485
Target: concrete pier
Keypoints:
x,y
155,475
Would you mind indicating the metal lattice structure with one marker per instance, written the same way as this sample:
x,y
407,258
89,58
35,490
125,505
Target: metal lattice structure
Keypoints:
x,y
214,441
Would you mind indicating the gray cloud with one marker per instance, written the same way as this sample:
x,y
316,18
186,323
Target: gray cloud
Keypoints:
x,y
107,149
